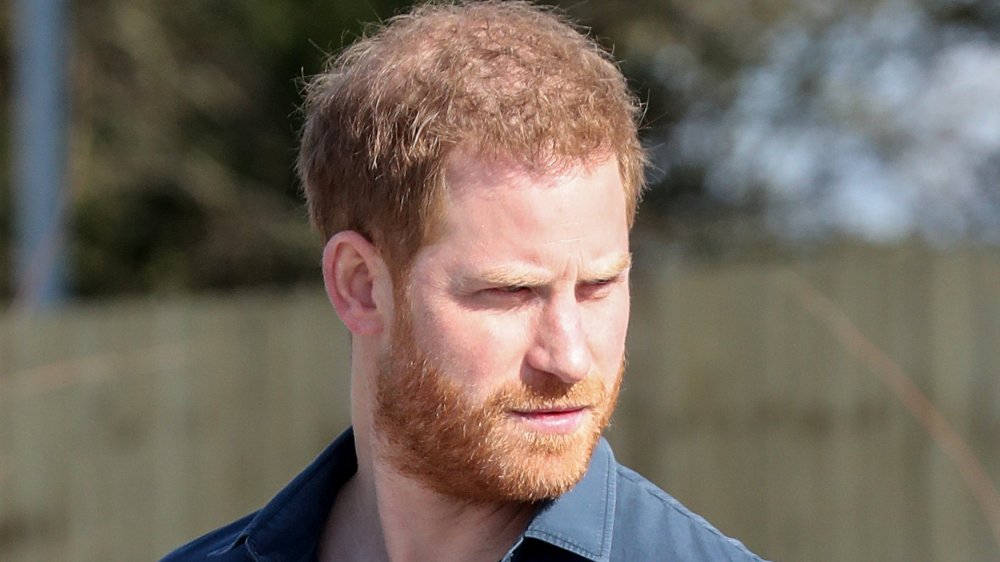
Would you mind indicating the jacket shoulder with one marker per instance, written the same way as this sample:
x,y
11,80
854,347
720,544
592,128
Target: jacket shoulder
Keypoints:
x,y
649,523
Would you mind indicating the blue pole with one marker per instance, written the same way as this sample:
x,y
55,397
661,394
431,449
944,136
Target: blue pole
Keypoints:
x,y
39,150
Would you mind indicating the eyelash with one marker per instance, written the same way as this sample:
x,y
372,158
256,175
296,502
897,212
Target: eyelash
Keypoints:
x,y
514,288
596,285
509,290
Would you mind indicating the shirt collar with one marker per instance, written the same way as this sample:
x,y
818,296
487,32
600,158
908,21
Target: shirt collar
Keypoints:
x,y
582,519
290,525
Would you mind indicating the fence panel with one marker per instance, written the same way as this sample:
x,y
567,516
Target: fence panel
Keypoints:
x,y
753,394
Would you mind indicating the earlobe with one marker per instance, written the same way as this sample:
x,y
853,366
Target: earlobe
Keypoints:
x,y
352,269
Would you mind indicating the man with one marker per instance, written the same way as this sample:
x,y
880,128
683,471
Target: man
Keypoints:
x,y
475,169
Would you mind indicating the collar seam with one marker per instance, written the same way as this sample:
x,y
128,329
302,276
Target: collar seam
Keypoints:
x,y
565,543
240,539
610,500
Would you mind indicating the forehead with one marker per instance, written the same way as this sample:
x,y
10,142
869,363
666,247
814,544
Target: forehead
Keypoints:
x,y
468,166
471,173
501,210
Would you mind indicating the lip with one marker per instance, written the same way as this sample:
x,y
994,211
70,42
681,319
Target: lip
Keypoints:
x,y
552,420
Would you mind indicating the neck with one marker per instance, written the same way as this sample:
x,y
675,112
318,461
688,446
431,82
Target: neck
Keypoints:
x,y
383,515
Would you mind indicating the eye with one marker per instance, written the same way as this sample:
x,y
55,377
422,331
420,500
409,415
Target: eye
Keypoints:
x,y
595,289
509,290
506,296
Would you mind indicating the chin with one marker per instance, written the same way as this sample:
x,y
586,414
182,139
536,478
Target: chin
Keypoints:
x,y
527,467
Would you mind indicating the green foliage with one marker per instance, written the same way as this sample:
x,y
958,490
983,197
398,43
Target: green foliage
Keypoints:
x,y
184,119
183,139
6,214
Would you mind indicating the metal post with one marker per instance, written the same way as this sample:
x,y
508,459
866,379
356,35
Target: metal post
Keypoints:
x,y
39,150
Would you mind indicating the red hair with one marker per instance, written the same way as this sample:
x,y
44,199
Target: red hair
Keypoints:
x,y
508,79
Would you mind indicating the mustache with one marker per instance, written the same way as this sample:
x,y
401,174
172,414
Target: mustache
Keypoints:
x,y
548,394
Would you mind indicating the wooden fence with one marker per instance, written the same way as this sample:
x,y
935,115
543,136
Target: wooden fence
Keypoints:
x,y
773,399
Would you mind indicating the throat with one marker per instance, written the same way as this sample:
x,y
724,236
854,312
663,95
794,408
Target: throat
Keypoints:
x,y
399,520
352,532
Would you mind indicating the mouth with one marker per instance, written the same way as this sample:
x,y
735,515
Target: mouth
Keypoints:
x,y
559,420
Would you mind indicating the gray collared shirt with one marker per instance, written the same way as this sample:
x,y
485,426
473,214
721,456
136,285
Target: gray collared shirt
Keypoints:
x,y
612,514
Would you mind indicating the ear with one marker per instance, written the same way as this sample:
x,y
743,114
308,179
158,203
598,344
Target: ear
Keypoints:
x,y
356,280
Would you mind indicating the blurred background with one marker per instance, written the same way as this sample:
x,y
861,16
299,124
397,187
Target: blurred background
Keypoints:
x,y
815,340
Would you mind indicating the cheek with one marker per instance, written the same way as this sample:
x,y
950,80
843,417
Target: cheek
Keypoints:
x,y
607,326
475,350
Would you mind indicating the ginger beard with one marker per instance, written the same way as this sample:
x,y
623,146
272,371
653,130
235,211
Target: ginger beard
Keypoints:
x,y
428,428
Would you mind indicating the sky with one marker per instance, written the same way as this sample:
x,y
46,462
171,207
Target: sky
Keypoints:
x,y
881,125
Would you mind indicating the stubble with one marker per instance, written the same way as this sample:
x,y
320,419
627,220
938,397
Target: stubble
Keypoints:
x,y
430,430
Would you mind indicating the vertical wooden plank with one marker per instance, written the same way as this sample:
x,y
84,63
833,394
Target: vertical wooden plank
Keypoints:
x,y
228,344
830,410
280,353
174,433
742,378
786,477
307,382
952,370
86,446
644,399
697,395
749,436
8,514
645,419
906,512
872,414
38,489
984,414
318,373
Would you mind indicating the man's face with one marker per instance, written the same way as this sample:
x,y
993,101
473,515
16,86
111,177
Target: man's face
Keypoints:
x,y
508,345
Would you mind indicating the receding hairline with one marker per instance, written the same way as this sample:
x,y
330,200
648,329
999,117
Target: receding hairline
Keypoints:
x,y
549,167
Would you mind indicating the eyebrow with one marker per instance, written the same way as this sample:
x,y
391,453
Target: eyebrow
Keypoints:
x,y
610,270
505,276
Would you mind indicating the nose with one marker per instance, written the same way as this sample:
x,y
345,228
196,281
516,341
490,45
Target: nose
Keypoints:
x,y
560,344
